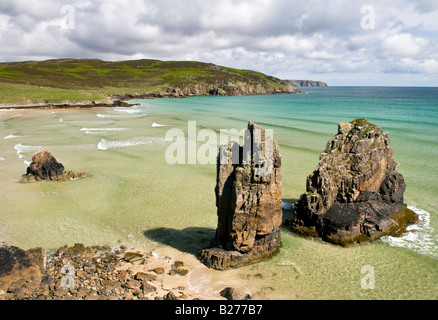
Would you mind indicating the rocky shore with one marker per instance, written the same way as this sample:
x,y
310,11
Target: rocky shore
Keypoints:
x,y
202,89
67,105
91,273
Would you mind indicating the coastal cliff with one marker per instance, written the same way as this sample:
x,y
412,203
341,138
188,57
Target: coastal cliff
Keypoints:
x,y
356,193
306,83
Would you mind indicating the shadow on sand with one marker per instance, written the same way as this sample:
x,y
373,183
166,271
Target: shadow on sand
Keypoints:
x,y
192,240
189,240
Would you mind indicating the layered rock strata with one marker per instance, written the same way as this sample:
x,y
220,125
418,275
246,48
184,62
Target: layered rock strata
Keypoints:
x,y
356,193
248,199
45,167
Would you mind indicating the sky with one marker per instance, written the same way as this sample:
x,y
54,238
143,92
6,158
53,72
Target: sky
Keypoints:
x,y
341,42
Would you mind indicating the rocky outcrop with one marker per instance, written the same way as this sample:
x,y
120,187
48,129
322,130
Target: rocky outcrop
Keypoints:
x,y
307,83
248,198
45,167
91,273
356,193
219,89
20,271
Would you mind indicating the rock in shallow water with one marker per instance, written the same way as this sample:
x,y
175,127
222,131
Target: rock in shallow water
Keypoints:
x,y
248,198
45,167
356,193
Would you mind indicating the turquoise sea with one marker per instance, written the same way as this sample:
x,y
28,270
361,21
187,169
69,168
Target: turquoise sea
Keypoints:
x,y
134,196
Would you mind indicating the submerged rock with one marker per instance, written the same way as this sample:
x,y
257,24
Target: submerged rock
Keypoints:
x,y
248,198
45,167
356,193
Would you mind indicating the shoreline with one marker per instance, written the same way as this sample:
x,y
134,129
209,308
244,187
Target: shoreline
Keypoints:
x,y
104,273
64,105
120,101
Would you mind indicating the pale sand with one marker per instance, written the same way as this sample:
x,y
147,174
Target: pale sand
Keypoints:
x,y
199,283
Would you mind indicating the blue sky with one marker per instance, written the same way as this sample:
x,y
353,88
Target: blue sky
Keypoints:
x,y
363,42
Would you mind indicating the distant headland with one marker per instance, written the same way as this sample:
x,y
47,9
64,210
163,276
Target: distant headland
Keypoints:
x,y
307,83
92,82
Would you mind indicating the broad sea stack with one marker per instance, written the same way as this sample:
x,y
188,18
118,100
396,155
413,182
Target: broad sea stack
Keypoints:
x,y
248,198
45,167
356,193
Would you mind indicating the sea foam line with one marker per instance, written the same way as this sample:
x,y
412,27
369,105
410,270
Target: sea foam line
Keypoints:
x,y
101,130
134,115
12,136
105,145
130,110
156,125
21,148
419,237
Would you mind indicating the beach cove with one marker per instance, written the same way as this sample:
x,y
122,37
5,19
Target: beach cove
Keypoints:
x,y
135,197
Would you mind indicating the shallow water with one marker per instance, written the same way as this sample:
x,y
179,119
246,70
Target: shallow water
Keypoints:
x,y
134,196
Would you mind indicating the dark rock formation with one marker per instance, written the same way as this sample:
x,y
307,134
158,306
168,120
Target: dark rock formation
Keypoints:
x,y
45,167
248,198
306,83
232,294
356,193
20,271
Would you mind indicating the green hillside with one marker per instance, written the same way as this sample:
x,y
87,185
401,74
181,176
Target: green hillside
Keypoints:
x,y
77,81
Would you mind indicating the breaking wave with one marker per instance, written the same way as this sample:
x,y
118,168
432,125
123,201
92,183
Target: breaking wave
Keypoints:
x,y
130,110
101,130
156,125
419,237
12,136
105,145
22,149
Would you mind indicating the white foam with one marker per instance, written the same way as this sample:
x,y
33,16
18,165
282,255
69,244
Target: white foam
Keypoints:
x,y
133,115
101,130
12,136
21,149
200,282
419,236
156,125
130,110
85,122
2,159
105,145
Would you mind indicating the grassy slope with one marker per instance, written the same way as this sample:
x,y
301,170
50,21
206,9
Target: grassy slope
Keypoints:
x,y
70,80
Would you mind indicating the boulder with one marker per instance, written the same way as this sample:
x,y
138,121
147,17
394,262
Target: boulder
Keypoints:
x,y
45,167
20,270
356,193
233,294
248,200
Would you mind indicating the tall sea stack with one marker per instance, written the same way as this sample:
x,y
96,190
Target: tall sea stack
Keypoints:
x,y
248,198
356,193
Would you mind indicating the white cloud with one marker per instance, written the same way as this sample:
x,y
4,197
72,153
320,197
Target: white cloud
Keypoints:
x,y
285,38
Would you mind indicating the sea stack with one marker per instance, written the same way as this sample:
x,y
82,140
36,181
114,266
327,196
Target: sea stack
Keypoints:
x,y
356,193
45,167
248,200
